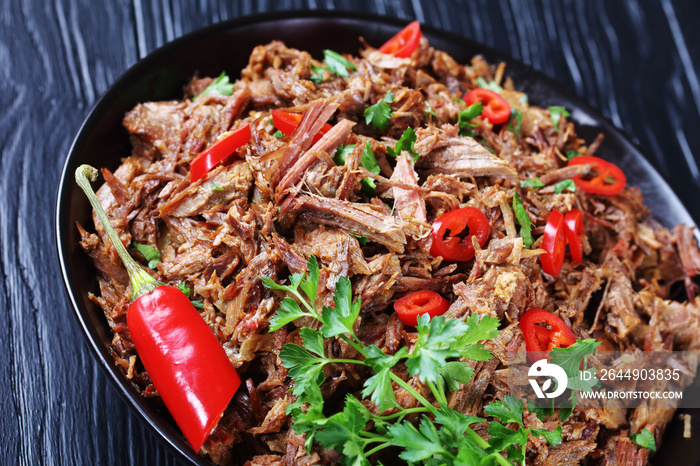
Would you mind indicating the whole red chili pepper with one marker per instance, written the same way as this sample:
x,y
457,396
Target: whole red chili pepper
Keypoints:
x,y
418,303
183,357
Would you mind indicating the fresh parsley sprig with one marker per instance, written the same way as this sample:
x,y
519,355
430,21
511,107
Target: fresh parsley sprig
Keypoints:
x,y
437,359
405,142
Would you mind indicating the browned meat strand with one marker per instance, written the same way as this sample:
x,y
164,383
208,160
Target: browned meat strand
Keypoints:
x,y
280,199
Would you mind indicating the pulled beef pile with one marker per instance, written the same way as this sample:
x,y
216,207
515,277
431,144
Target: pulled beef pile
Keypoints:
x,y
279,200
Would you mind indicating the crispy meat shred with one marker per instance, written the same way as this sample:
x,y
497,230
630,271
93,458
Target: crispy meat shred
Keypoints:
x,y
279,200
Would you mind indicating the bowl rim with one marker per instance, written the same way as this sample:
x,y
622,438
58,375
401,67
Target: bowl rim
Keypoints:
x,y
159,425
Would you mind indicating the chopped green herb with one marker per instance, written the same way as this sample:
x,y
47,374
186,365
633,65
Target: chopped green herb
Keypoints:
x,y
342,152
198,304
182,286
428,109
406,142
219,86
215,187
555,113
379,115
491,85
523,219
459,100
465,116
150,253
531,183
338,64
644,439
524,99
370,163
360,238
278,134
570,154
318,74
490,149
567,184
517,117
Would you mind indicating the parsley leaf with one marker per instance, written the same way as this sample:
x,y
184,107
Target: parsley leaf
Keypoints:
x,y
318,74
553,437
361,239
342,152
542,412
437,342
419,444
491,85
198,304
644,439
215,187
502,437
570,358
523,220
531,183
379,115
150,253
455,372
338,64
555,113
341,319
278,134
406,142
465,116
508,410
219,86
370,163
182,286
517,117
567,184
570,154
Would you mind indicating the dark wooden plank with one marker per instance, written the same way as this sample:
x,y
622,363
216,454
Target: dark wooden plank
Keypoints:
x,y
637,61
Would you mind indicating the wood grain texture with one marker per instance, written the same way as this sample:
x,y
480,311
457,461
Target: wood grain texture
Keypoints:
x,y
638,62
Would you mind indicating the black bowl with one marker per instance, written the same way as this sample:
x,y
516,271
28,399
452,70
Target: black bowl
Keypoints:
x,y
102,142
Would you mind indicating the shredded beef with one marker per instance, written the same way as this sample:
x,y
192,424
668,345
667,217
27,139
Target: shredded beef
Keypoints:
x,y
281,198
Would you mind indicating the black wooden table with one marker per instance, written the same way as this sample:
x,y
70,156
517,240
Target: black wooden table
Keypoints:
x,y
638,62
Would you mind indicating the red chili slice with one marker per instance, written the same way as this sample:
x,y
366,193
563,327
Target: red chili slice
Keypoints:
x,y
496,108
609,178
447,231
287,122
573,221
217,153
404,42
544,331
418,303
554,243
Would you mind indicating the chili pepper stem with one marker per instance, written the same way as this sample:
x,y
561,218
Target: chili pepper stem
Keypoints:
x,y
142,283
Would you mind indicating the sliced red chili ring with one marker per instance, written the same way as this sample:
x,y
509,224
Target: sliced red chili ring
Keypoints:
x,y
496,108
544,331
467,221
218,152
573,221
554,243
418,303
404,42
287,122
609,179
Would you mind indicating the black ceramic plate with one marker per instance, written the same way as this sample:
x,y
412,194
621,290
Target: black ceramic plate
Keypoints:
x,y
101,141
